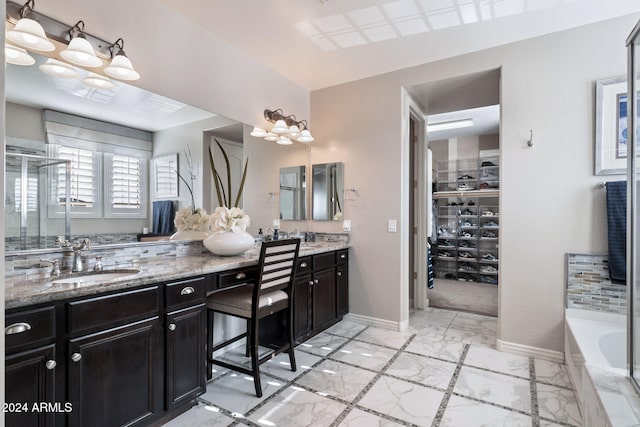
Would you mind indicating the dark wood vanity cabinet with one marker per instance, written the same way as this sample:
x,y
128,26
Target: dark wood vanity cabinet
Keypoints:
x,y
321,293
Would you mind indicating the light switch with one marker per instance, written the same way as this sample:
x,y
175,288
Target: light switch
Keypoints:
x,y
391,226
346,225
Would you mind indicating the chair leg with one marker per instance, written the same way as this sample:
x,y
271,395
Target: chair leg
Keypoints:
x,y
292,356
247,351
255,363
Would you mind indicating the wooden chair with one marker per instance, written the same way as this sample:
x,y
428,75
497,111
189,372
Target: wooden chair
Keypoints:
x,y
273,292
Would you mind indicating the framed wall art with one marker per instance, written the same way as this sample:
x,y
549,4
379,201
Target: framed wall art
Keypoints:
x,y
611,126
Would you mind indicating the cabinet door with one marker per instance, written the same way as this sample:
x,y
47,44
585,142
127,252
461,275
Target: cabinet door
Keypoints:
x,y
185,363
324,299
30,378
302,307
115,376
342,282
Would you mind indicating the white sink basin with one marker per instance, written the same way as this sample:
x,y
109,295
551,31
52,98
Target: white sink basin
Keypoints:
x,y
95,276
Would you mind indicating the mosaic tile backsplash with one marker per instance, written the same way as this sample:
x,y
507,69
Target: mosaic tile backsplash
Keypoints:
x,y
589,286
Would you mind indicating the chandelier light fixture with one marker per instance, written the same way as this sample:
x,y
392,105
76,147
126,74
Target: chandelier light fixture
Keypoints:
x,y
284,129
67,49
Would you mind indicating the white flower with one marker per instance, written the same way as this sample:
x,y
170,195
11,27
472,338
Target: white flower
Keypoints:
x,y
186,219
225,219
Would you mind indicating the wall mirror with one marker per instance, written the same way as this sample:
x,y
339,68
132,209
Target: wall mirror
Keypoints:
x,y
293,195
328,191
29,92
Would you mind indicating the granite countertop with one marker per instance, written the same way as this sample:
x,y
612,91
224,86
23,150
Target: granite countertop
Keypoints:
x,y
20,292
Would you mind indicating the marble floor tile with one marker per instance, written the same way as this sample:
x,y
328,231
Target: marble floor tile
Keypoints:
x,y
280,367
471,337
337,379
426,329
363,354
235,392
298,407
552,373
346,328
488,358
448,348
422,369
432,316
558,404
360,418
201,416
465,412
495,388
545,423
322,344
402,400
384,337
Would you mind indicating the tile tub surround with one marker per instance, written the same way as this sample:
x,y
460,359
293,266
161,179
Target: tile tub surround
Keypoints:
x,y
589,286
605,393
28,281
357,375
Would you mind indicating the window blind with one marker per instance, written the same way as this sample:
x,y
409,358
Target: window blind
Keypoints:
x,y
126,183
83,184
32,194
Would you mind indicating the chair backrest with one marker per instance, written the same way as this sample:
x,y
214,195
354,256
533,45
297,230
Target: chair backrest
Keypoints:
x,y
276,266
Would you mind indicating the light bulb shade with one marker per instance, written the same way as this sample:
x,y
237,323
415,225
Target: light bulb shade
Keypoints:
x,y
259,133
98,82
121,68
17,55
294,131
280,127
283,140
30,34
305,136
80,52
271,137
56,68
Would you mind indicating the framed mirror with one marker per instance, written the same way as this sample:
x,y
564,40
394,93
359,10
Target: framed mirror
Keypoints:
x,y
293,194
328,191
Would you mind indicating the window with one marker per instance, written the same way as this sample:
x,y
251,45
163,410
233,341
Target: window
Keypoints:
x,y
32,194
125,186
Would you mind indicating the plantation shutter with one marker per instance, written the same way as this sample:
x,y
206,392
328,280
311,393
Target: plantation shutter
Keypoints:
x,y
126,182
83,181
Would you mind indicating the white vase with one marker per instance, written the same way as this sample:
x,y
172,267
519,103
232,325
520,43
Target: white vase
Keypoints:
x,y
190,235
228,243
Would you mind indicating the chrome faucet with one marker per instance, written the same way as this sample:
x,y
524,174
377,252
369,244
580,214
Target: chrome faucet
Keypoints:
x,y
55,270
77,248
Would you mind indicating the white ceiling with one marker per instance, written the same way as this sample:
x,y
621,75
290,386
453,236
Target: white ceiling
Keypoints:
x,y
321,43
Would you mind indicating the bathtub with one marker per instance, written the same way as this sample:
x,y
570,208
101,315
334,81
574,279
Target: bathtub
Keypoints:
x,y
596,359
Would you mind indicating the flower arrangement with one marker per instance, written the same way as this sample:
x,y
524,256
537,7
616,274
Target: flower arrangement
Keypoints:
x,y
229,219
192,219
224,197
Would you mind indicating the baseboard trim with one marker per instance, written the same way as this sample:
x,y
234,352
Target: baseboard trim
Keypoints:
x,y
374,321
525,350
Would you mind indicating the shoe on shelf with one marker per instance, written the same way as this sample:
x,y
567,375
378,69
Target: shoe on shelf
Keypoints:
x,y
488,269
467,212
465,187
489,279
489,235
471,203
465,244
463,177
489,257
466,255
491,224
445,254
487,164
488,212
466,234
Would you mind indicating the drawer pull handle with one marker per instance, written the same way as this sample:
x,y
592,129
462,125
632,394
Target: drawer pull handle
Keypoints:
x,y
241,275
311,282
303,265
339,273
188,290
315,281
17,328
343,256
51,364
76,357
172,326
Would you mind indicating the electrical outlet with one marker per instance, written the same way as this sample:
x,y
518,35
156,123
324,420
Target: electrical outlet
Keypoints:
x,y
391,226
346,225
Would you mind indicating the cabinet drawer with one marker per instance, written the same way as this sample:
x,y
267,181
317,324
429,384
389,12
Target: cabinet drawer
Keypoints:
x,y
112,309
29,326
322,261
303,266
186,291
342,256
237,277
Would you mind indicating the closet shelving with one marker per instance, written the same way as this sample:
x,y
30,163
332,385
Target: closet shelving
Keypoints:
x,y
467,220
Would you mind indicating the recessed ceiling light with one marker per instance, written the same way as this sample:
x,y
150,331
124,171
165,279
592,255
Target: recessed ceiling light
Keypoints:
x,y
454,124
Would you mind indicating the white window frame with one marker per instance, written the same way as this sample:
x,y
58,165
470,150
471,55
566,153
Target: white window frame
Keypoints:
x,y
109,210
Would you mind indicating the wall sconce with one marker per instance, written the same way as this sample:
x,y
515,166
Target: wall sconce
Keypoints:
x,y
64,46
285,129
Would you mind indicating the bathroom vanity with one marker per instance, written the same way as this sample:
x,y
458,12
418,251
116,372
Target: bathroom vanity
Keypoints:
x,y
131,350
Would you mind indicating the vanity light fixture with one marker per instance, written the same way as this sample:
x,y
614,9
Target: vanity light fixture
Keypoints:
x,y
121,67
285,129
17,56
56,68
453,124
80,52
28,33
98,81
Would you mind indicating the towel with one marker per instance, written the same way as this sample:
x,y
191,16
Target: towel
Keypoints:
x,y
163,216
617,229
